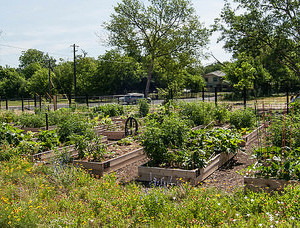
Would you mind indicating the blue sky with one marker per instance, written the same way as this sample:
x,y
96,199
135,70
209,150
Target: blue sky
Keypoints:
x,y
53,25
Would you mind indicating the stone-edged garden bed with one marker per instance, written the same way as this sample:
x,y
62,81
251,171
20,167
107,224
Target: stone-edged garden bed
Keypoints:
x,y
175,176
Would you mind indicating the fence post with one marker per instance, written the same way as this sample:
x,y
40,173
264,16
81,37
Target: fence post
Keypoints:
x,y
34,100
287,100
87,100
22,104
70,100
54,102
40,102
6,104
203,93
47,124
216,95
245,95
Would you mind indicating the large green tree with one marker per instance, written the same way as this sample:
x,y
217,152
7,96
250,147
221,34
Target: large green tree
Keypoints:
x,y
269,28
117,74
35,56
156,29
39,83
12,84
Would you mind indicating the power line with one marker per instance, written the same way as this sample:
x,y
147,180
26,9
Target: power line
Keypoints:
x,y
20,48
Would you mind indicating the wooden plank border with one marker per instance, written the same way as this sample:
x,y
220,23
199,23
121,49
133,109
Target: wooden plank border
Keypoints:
x,y
176,176
98,168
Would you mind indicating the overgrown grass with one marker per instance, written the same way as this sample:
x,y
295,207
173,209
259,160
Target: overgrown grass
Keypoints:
x,y
57,196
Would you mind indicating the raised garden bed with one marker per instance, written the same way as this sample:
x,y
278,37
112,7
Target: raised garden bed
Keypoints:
x,y
37,129
262,184
175,176
50,154
114,135
247,139
98,168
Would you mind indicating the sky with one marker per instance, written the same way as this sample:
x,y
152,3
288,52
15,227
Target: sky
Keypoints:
x,y
52,26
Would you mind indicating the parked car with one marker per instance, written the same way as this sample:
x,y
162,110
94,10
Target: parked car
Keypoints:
x,y
132,98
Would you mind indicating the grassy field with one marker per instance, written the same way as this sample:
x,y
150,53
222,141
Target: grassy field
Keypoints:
x,y
60,196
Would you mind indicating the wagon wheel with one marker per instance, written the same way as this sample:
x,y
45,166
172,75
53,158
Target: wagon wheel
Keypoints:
x,y
131,126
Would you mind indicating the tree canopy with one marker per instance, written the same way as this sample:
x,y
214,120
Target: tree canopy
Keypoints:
x,y
160,28
269,28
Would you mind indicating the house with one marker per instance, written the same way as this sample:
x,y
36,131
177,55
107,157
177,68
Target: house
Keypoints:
x,y
215,79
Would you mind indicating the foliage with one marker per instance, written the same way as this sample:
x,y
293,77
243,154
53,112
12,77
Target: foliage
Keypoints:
x,y
155,30
10,134
277,162
159,136
198,112
284,131
265,28
31,56
75,125
39,195
39,82
32,120
8,116
12,84
144,107
242,118
169,142
48,139
110,110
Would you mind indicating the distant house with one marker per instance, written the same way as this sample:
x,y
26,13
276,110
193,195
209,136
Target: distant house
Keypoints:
x,y
215,79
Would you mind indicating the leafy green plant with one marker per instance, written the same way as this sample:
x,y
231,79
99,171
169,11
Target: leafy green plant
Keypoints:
x,y
242,118
110,109
48,139
159,136
144,107
75,125
32,120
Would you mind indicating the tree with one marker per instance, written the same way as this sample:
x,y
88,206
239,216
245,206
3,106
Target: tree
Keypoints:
x,y
260,27
35,56
118,74
155,30
64,78
39,82
12,84
246,73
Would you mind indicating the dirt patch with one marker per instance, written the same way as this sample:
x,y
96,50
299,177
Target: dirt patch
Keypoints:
x,y
227,177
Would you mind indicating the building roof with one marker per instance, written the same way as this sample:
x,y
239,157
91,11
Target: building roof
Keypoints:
x,y
217,73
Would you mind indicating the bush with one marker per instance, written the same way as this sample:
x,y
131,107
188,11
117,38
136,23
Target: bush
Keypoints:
x,y
242,118
75,125
159,136
32,120
110,110
199,112
144,107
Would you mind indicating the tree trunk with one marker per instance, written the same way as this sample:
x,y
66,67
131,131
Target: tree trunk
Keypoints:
x,y
150,70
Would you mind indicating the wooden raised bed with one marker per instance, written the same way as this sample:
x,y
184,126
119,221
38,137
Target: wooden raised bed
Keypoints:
x,y
176,176
262,184
114,135
251,136
98,168
50,154
37,129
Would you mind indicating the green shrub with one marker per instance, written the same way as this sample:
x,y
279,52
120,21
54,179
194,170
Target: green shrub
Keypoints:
x,y
144,107
8,116
110,109
199,112
242,118
48,139
75,125
32,120
159,136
